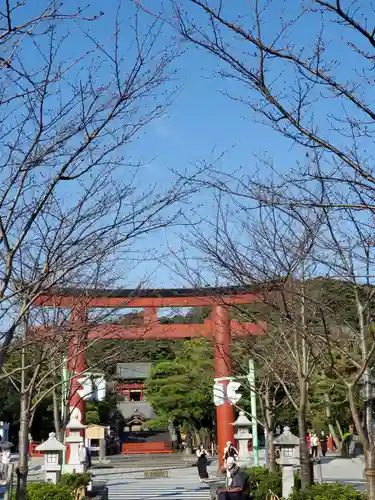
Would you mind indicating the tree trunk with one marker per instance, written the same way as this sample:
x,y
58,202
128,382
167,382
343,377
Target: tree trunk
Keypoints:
x,y
330,426
23,445
365,435
23,468
370,471
205,437
268,429
306,479
272,465
335,438
189,443
340,430
56,416
197,439
370,448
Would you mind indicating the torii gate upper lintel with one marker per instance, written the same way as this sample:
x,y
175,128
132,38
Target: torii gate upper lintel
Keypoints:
x,y
219,328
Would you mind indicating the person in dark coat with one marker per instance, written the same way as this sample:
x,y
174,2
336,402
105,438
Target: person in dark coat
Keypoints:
x,y
323,443
202,455
238,483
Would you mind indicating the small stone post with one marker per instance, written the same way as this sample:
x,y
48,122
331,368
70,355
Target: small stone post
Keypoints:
x,y
102,450
52,449
74,439
242,435
288,446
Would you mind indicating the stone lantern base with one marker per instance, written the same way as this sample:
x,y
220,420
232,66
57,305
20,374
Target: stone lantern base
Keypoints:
x,y
74,468
52,473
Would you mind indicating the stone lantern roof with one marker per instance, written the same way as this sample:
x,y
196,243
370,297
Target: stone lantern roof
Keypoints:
x,y
286,438
242,420
74,423
52,444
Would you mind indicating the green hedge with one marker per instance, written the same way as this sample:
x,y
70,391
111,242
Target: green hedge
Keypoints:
x,y
46,491
61,491
328,492
75,480
264,483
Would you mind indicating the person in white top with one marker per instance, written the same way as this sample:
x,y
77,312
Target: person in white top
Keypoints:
x,y
202,455
314,445
5,461
229,451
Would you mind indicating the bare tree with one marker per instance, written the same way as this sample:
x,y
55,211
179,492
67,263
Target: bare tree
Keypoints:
x,y
315,92
269,252
70,198
44,352
270,360
313,271
71,203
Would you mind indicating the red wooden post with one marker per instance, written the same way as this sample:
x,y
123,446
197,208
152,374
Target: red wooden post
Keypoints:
x,y
77,361
222,365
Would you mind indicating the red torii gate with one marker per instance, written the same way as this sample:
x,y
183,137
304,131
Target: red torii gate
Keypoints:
x,y
219,328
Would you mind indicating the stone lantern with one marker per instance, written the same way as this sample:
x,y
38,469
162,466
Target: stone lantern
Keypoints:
x,y
243,436
288,447
75,440
52,449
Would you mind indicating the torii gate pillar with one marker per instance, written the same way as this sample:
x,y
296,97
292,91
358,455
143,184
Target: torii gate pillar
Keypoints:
x,y
223,368
77,361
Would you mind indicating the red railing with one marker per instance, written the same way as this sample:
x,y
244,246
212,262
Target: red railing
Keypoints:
x,y
145,448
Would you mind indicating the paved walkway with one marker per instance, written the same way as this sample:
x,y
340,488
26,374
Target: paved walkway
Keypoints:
x,y
182,485
126,478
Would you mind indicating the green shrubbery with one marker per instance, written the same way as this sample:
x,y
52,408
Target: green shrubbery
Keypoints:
x,y
46,491
328,492
65,490
264,483
75,480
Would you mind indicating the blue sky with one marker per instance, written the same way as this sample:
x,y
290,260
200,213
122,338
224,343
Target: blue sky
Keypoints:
x,y
200,125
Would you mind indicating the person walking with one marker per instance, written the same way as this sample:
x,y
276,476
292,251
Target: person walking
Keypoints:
x,y
202,454
323,443
314,445
5,461
229,451
84,456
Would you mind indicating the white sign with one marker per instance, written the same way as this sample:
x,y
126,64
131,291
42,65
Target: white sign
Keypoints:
x,y
100,385
86,391
232,394
94,387
219,394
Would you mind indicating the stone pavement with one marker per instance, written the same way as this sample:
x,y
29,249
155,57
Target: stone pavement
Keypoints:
x,y
125,477
184,484
181,484
343,470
